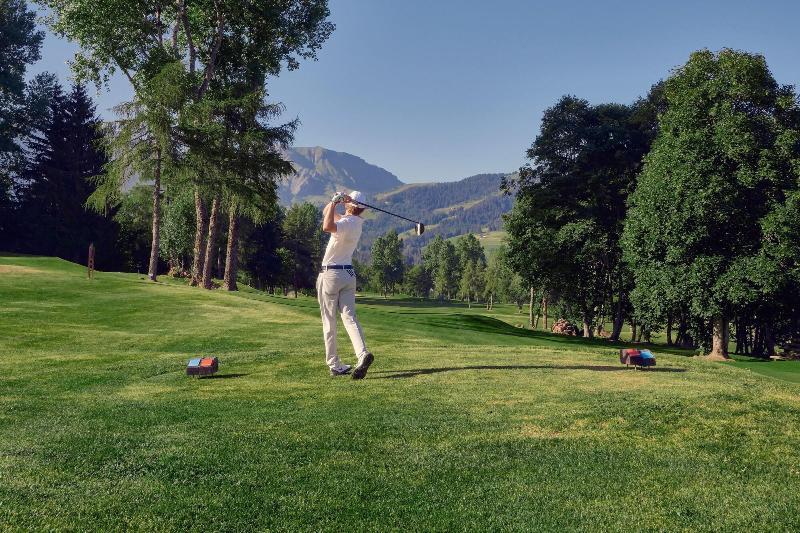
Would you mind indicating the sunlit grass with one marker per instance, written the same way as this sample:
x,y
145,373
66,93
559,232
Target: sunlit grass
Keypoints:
x,y
466,421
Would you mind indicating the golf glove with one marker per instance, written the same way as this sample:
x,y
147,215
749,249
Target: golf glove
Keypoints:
x,y
338,197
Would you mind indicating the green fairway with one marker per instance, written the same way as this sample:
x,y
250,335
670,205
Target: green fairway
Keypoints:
x,y
465,421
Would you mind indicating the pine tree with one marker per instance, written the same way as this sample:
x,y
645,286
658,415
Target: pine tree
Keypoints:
x,y
57,184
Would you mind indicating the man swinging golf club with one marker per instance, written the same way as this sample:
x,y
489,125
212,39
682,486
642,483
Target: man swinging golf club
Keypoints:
x,y
336,283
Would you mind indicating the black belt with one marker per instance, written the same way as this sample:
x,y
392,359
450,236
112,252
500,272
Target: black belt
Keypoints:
x,y
336,267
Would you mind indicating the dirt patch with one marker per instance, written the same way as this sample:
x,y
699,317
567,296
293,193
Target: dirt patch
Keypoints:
x,y
14,269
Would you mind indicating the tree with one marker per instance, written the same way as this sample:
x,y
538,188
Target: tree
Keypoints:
x,y
20,44
134,217
699,234
259,256
55,185
418,281
432,254
142,144
302,230
472,282
445,277
387,262
220,45
499,278
566,222
469,249
175,244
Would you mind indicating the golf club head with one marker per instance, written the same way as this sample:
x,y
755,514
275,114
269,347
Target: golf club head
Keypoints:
x,y
420,228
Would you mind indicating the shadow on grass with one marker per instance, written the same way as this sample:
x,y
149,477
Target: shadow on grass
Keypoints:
x,y
223,376
395,374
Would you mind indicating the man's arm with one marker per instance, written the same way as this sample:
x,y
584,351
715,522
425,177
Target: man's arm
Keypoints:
x,y
330,216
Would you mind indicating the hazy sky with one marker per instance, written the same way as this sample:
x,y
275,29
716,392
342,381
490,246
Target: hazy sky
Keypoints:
x,y
443,89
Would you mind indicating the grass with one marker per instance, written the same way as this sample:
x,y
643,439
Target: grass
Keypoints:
x,y
465,422
490,240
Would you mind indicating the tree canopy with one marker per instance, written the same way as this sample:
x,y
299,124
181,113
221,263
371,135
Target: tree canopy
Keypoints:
x,y
722,172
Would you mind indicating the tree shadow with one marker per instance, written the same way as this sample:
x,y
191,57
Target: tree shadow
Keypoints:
x,y
223,376
395,374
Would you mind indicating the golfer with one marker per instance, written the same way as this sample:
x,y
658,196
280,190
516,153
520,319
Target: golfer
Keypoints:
x,y
336,283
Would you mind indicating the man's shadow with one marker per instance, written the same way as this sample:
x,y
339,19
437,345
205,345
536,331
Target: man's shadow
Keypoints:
x,y
395,374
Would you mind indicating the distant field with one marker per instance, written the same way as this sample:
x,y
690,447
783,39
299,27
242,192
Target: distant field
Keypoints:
x,y
465,422
490,240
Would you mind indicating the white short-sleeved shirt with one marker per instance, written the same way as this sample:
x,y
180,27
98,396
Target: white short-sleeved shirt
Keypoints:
x,y
343,242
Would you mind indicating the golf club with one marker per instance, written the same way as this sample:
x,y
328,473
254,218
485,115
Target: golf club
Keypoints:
x,y
419,227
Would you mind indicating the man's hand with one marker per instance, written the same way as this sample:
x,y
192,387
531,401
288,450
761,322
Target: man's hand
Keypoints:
x,y
339,197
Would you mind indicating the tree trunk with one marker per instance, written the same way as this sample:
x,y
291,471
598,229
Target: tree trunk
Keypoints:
x,y
719,336
587,329
633,330
669,331
769,340
208,263
152,273
741,337
619,321
530,308
544,311
232,255
201,216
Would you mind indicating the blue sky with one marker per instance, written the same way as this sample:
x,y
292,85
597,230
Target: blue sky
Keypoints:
x,y
443,89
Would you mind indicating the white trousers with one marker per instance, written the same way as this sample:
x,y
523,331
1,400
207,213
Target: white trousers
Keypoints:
x,y
336,291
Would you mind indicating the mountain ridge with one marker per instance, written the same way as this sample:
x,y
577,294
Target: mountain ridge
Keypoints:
x,y
449,208
319,172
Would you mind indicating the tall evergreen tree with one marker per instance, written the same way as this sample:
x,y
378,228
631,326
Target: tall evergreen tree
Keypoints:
x,y
20,43
65,155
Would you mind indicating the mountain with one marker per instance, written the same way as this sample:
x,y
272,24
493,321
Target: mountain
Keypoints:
x,y
320,172
471,205
474,204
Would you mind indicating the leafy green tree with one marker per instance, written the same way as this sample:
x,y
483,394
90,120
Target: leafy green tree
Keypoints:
x,y
570,204
445,275
224,47
717,179
142,143
20,44
387,262
177,231
469,250
472,282
260,261
499,278
417,281
287,269
302,230
431,254
134,217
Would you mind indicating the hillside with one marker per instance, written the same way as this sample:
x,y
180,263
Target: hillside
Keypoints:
x,y
474,204
320,172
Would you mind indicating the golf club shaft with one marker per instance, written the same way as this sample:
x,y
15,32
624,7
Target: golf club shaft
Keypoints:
x,y
387,212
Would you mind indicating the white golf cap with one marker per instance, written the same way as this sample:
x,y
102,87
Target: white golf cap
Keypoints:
x,y
358,196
